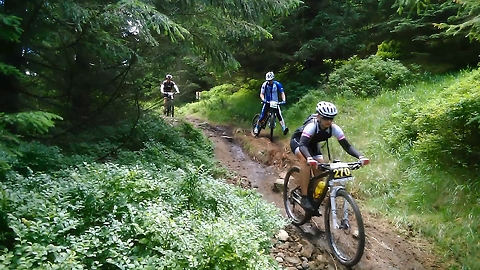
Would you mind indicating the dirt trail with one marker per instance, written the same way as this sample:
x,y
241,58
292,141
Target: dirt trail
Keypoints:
x,y
306,247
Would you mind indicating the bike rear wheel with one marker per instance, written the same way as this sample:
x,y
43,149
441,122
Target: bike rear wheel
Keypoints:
x,y
168,108
292,197
254,123
347,242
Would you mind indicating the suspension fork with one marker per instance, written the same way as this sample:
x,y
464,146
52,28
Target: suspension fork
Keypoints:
x,y
333,195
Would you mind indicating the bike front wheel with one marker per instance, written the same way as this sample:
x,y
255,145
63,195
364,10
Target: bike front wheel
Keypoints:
x,y
292,197
344,229
272,125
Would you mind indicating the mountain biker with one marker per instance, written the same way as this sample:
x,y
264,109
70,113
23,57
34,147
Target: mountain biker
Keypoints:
x,y
317,128
166,88
269,92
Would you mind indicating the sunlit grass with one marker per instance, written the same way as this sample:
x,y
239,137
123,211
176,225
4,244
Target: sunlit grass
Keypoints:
x,y
422,197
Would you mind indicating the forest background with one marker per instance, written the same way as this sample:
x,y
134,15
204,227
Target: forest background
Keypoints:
x,y
79,81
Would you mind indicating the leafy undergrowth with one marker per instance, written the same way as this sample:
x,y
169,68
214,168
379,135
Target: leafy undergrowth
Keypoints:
x,y
155,208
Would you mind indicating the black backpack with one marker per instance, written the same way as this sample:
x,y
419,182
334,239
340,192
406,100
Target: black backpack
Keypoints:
x,y
309,118
313,117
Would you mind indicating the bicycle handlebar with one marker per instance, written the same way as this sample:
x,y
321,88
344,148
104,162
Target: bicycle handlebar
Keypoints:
x,y
279,103
352,165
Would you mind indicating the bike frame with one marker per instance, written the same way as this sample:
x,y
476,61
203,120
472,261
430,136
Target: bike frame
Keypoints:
x,y
337,175
269,116
334,185
168,106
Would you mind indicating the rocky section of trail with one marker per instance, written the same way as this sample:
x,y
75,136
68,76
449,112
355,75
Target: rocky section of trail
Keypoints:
x,y
305,247
294,252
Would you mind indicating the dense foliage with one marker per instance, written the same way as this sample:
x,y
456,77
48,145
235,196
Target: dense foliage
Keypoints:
x,y
464,23
161,209
88,61
369,77
443,128
79,79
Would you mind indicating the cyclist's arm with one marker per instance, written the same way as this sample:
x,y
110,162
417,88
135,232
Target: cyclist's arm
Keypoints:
x,y
176,88
161,89
305,138
262,91
280,90
349,148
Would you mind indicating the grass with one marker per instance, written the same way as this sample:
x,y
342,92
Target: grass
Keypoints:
x,y
421,196
412,194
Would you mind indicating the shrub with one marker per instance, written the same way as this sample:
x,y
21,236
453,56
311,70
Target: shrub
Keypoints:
x,y
368,77
445,129
235,104
121,140
389,50
24,124
38,157
133,217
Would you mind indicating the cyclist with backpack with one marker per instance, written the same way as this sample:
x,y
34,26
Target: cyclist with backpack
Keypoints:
x,y
317,128
166,89
270,91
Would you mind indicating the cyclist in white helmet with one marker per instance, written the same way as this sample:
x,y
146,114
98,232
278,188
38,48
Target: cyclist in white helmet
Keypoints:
x,y
270,91
166,88
317,128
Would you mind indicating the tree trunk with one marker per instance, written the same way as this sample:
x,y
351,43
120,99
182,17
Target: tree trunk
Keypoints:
x,y
9,84
11,54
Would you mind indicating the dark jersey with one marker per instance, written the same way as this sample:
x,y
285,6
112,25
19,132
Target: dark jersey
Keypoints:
x,y
168,86
314,134
306,138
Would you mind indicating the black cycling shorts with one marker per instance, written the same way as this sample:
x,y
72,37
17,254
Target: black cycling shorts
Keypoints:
x,y
313,149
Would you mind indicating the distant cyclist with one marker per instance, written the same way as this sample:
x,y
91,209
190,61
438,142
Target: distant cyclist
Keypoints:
x,y
317,128
166,89
270,91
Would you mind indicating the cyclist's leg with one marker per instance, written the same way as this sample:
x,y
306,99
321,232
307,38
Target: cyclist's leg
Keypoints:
x,y
304,174
260,119
318,157
164,105
263,113
317,171
281,120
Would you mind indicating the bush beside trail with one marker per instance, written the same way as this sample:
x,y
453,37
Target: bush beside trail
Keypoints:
x,y
443,128
159,207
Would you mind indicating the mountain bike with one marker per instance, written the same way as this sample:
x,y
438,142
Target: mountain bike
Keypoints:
x,y
169,107
343,221
270,119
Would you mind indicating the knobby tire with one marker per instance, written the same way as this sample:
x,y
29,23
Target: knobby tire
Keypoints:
x,y
272,125
291,190
339,246
254,123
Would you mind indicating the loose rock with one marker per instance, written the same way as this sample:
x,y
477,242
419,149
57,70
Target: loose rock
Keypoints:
x,y
282,235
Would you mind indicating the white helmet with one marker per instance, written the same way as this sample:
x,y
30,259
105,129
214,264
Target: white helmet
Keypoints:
x,y
326,109
269,76
168,76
